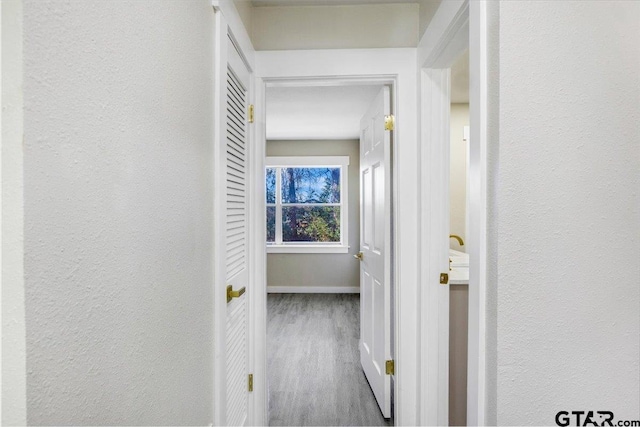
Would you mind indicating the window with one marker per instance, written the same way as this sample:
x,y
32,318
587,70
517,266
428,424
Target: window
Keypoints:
x,y
307,204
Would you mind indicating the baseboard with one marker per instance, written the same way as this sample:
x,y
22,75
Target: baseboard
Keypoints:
x,y
313,290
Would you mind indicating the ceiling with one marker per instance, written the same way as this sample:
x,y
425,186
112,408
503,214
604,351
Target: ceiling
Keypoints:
x,y
260,3
327,112
334,112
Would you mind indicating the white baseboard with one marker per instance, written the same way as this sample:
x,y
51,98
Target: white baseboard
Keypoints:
x,y
313,290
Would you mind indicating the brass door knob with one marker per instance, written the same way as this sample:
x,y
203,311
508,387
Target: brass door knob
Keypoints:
x,y
234,294
359,256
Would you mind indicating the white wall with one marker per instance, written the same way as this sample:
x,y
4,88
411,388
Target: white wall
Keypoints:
x,y
117,155
321,270
245,10
388,25
458,175
335,27
568,220
428,9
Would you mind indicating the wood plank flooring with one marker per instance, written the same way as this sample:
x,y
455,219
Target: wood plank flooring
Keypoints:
x,y
313,362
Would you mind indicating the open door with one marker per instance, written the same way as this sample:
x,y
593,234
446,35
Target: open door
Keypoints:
x,y
375,249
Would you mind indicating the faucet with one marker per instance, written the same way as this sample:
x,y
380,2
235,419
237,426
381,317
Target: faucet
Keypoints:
x,y
458,238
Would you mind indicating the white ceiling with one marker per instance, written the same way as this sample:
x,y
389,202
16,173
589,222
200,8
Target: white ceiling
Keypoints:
x,y
460,80
328,112
334,112
260,3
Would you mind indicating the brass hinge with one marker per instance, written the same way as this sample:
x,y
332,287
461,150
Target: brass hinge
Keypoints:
x,y
389,122
390,367
444,278
250,113
250,382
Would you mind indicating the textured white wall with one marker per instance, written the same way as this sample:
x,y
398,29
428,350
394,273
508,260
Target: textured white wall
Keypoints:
x,y
335,27
321,270
568,294
118,197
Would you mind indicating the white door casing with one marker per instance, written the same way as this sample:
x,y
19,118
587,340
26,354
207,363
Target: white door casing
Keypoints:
x,y
436,53
456,26
396,68
375,247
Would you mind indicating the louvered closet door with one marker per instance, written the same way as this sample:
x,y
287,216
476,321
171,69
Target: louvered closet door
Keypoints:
x,y
236,240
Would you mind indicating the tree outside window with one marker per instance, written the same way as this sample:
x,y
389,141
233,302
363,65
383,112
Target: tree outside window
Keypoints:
x,y
305,202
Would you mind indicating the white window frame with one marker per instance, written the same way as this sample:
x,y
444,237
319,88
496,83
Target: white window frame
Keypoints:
x,y
341,162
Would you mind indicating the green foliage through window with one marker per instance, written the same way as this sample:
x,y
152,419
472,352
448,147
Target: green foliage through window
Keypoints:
x,y
307,203
311,224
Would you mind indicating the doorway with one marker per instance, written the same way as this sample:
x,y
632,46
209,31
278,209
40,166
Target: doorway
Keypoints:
x,y
458,232
318,317
457,27
393,67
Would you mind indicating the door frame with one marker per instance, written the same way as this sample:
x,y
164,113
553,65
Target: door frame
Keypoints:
x,y
13,373
394,67
456,26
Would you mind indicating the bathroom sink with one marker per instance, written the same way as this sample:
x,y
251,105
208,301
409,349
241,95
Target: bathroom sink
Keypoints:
x,y
458,259
459,276
459,273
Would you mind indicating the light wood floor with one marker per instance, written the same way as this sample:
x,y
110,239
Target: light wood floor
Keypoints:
x,y
313,362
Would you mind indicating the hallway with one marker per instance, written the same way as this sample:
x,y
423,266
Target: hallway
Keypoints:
x,y
315,377
133,157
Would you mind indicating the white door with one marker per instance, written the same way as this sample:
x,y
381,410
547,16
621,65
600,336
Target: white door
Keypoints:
x,y
236,247
375,249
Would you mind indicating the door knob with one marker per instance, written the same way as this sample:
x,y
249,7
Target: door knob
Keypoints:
x,y
359,256
234,294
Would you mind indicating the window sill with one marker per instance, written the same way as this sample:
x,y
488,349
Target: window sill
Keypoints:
x,y
307,249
